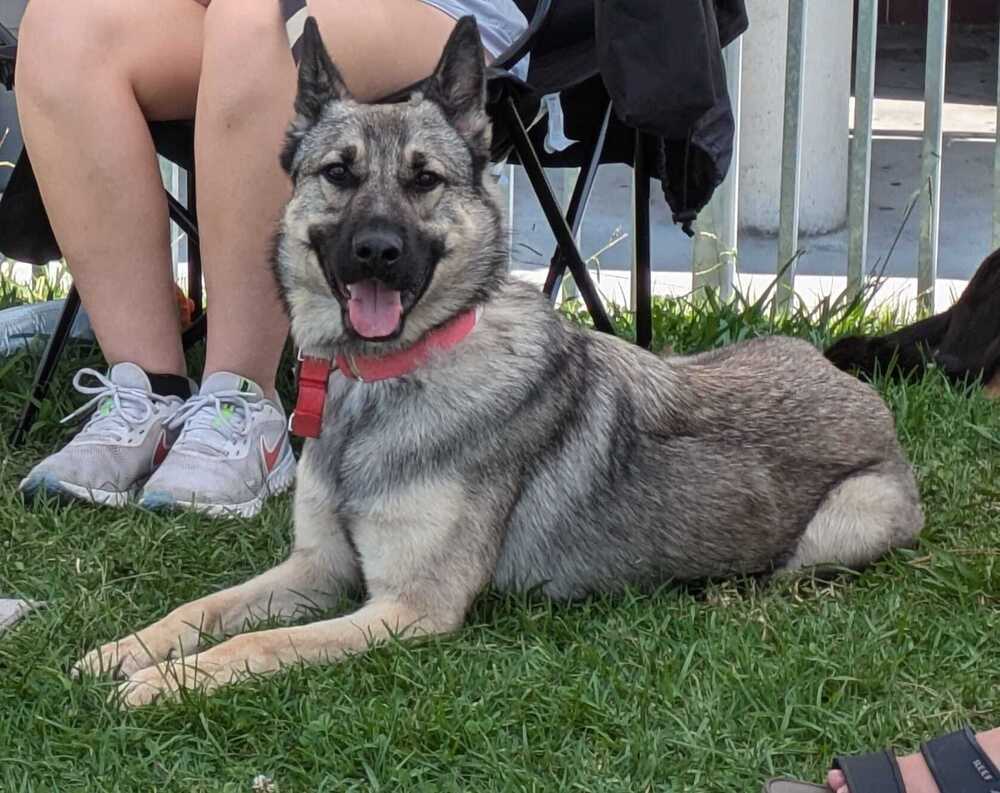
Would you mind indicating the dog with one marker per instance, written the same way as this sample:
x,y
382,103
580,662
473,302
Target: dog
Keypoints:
x,y
964,341
471,437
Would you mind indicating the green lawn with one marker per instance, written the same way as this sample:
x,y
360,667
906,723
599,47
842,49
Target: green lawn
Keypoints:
x,y
704,691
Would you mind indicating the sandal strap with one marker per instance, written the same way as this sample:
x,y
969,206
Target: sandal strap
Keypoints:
x,y
959,764
877,772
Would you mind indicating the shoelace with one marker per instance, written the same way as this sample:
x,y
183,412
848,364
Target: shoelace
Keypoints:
x,y
206,426
129,407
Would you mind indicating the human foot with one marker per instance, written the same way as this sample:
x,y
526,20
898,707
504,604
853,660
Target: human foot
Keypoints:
x,y
917,776
124,440
232,454
959,762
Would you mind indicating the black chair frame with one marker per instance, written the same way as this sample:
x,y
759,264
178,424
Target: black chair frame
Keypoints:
x,y
506,112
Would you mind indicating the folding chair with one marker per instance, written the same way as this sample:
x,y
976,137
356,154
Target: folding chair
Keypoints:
x,y
560,42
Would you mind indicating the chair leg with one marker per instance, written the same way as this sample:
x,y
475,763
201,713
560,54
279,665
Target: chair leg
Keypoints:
x,y
577,208
550,207
642,275
50,358
185,219
194,251
196,332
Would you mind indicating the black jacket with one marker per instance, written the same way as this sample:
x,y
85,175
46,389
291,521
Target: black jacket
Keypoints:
x,y
661,63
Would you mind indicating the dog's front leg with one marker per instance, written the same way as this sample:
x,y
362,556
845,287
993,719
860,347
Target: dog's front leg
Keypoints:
x,y
322,568
421,577
291,589
268,651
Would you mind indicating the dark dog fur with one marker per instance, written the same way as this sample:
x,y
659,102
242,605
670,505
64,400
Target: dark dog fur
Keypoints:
x,y
964,341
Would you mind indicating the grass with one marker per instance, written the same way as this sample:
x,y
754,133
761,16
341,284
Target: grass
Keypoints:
x,y
686,690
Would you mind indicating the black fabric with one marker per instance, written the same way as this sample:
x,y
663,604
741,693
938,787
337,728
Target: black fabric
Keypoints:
x,y
662,67
25,233
959,764
872,773
665,75
170,385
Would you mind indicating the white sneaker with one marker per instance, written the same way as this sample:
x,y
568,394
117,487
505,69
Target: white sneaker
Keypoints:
x,y
232,454
121,444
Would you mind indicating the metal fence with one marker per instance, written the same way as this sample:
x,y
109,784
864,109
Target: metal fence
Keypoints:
x,y
715,264
859,168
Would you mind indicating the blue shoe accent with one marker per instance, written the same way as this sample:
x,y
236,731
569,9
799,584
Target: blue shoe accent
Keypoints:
x,y
158,501
45,485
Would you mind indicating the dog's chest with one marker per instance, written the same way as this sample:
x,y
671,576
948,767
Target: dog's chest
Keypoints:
x,y
371,442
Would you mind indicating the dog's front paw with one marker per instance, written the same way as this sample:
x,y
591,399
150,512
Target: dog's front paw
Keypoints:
x,y
145,687
164,682
121,658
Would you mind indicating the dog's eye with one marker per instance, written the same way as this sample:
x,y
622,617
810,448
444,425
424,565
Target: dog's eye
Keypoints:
x,y
426,180
337,174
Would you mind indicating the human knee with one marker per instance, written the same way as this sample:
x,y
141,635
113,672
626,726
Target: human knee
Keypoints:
x,y
60,44
247,41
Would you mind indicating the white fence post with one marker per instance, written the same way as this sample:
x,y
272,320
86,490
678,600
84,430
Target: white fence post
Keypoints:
x,y
569,177
717,228
996,167
930,174
791,146
859,189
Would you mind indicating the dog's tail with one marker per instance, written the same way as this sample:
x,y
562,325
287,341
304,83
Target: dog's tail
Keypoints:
x,y
904,352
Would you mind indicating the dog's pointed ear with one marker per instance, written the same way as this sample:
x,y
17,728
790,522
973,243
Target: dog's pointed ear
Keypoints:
x,y
319,79
458,84
320,84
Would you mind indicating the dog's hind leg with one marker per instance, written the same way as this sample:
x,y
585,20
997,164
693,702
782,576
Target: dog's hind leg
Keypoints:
x,y
862,518
320,570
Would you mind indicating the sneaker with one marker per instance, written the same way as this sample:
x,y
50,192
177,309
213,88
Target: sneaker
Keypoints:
x,y
232,454
119,447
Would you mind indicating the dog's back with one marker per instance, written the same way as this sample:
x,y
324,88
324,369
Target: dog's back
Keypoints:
x,y
694,467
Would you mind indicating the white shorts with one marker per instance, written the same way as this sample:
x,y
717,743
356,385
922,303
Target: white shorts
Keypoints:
x,y
500,24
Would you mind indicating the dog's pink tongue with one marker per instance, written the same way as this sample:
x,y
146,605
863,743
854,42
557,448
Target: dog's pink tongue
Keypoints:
x,y
375,310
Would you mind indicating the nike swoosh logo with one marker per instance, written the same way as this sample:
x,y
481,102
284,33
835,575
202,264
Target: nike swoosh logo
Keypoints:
x,y
271,455
160,453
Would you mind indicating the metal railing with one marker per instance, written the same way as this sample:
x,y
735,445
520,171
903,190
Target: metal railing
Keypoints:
x,y
860,157
714,252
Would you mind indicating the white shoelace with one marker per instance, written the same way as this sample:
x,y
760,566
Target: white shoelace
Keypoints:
x,y
215,421
127,407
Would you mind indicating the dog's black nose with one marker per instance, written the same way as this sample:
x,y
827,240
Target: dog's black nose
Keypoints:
x,y
377,247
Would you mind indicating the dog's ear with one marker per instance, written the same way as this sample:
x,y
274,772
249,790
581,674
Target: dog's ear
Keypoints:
x,y
319,79
319,84
458,84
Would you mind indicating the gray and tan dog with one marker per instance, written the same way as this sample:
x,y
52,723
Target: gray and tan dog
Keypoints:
x,y
529,454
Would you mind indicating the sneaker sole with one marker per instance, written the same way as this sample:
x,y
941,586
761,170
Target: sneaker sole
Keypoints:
x,y
277,482
67,492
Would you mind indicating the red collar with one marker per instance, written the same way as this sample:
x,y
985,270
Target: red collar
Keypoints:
x,y
314,373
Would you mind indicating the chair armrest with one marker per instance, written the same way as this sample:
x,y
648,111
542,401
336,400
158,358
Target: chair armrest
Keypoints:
x,y
8,54
516,51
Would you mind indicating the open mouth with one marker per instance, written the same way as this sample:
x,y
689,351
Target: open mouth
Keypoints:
x,y
374,309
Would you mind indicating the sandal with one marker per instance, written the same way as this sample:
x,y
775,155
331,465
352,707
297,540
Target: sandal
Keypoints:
x,y
956,761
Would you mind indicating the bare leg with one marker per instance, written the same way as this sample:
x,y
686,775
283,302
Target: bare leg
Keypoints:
x,y
89,74
244,106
